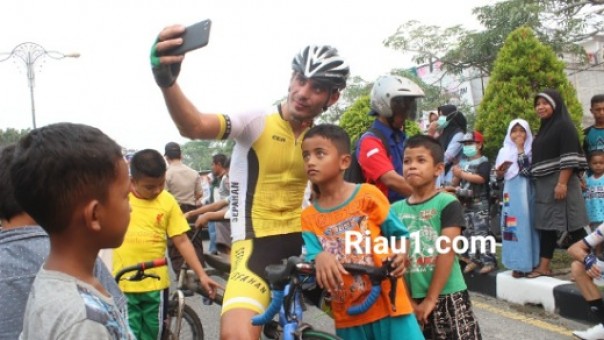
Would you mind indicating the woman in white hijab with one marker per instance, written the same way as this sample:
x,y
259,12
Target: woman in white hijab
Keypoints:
x,y
520,240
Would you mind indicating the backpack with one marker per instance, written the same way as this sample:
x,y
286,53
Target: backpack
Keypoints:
x,y
354,173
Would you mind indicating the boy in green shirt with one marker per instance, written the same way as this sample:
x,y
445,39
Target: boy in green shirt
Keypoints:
x,y
440,297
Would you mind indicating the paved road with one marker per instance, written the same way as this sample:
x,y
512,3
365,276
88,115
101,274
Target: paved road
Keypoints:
x,y
498,320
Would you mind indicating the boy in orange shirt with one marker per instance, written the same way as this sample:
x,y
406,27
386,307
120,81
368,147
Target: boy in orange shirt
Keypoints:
x,y
340,208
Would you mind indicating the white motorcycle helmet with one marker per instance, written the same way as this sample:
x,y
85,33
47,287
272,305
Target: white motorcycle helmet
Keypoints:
x,y
390,86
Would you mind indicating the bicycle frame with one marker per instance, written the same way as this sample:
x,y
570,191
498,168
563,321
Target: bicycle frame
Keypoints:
x,y
291,313
286,284
177,307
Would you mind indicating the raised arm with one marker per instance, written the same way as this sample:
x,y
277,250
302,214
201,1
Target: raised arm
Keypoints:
x,y
191,123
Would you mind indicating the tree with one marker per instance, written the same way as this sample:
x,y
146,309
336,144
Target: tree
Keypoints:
x,y
198,154
572,20
356,88
558,23
11,135
355,119
523,67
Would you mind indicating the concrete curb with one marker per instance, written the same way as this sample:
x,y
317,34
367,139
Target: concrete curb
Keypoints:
x,y
556,296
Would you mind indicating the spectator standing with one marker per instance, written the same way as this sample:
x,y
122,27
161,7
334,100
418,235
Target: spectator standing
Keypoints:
x,y
558,161
393,101
155,217
472,176
594,189
432,128
219,191
24,246
73,180
520,240
184,184
206,179
341,208
451,127
442,302
594,135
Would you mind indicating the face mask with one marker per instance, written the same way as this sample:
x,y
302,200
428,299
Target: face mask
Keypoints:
x,y
470,150
442,122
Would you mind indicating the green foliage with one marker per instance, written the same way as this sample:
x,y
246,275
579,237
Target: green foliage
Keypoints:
x,y
479,49
434,96
356,121
524,66
11,135
558,23
356,87
428,43
198,153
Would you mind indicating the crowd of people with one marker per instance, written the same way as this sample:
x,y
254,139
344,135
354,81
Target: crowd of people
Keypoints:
x,y
61,203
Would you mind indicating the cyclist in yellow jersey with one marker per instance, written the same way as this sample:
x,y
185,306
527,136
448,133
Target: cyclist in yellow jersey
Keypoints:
x,y
267,171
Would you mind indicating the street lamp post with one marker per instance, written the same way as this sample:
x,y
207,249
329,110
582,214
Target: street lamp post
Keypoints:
x,y
30,53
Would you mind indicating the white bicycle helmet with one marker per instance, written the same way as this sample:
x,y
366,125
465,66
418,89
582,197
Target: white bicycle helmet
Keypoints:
x,y
387,87
322,63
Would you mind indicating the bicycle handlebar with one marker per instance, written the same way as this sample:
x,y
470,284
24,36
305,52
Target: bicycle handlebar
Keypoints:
x,y
280,275
140,269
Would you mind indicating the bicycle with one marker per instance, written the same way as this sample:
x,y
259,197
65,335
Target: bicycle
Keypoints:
x,y
287,282
188,285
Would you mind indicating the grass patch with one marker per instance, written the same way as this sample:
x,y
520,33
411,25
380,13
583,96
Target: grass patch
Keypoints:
x,y
561,260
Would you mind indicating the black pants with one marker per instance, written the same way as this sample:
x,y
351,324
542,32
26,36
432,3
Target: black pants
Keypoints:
x,y
186,208
549,238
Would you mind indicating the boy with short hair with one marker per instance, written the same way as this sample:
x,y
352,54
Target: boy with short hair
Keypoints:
x,y
24,246
340,208
72,180
442,303
594,135
155,216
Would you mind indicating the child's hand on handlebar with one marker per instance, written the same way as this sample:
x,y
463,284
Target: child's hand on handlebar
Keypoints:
x,y
209,285
329,271
201,221
399,263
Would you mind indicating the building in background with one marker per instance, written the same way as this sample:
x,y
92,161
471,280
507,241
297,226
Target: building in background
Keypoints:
x,y
468,87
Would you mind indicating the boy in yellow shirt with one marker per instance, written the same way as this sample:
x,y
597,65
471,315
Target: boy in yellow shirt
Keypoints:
x,y
155,217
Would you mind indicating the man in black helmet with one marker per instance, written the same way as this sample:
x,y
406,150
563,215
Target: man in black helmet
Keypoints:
x,y
267,171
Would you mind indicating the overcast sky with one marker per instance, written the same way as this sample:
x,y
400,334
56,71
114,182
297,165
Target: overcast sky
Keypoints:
x,y
246,64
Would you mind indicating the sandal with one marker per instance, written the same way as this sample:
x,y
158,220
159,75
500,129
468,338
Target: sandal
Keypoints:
x,y
470,267
536,273
487,269
518,275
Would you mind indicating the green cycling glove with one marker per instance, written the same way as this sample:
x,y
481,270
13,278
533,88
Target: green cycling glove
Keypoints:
x,y
165,75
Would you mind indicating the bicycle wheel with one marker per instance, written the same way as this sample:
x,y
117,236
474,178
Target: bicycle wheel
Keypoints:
x,y
313,334
190,328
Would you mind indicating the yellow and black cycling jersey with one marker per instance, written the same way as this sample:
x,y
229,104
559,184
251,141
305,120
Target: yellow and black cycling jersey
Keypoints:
x,y
267,174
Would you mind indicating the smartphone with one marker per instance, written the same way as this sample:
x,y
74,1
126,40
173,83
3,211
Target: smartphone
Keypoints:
x,y
195,36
